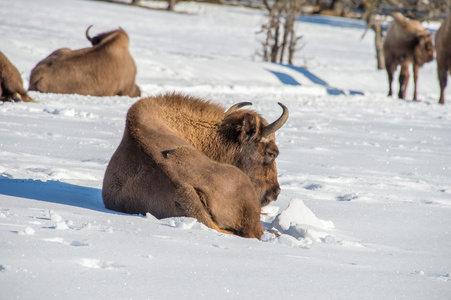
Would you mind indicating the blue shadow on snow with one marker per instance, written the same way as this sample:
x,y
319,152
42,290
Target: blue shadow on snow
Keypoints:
x,y
333,21
313,78
285,78
54,192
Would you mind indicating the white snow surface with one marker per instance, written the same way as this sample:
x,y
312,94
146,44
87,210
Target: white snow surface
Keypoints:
x,y
366,179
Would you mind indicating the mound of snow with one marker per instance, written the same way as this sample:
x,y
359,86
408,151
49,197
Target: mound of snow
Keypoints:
x,y
297,213
26,231
297,226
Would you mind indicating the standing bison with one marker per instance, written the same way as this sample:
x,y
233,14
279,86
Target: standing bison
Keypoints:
x,y
105,69
183,156
406,42
443,48
11,84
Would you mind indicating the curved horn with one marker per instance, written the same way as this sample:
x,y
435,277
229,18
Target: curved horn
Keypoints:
x,y
237,106
87,34
277,124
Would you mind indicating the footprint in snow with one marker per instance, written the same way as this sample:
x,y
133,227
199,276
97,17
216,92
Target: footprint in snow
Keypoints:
x,y
79,244
445,277
313,186
347,197
442,277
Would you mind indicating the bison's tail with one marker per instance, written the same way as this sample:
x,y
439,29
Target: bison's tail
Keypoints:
x,y
26,98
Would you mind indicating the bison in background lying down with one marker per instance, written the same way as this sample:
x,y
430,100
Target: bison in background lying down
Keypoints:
x,y
443,48
183,156
105,69
406,42
11,84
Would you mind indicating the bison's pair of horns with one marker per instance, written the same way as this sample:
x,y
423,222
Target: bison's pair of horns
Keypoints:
x,y
271,128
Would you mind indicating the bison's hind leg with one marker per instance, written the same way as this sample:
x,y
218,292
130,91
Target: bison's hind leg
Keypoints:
x,y
443,80
390,70
404,76
14,97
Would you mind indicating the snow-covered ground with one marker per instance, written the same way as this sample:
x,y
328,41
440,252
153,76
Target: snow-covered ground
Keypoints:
x,y
365,208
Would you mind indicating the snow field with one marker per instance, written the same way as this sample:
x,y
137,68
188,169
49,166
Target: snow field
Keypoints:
x,y
366,194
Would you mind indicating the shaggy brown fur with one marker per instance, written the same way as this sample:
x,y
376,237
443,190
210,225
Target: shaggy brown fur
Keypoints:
x,y
178,156
11,84
406,42
106,69
443,49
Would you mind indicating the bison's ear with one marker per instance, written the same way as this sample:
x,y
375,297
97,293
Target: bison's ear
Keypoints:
x,y
248,127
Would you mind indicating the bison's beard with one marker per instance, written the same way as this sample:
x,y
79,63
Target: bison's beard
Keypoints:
x,y
270,196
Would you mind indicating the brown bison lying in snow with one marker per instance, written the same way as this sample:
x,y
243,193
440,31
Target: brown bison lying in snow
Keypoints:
x,y
406,42
182,156
11,84
105,69
443,48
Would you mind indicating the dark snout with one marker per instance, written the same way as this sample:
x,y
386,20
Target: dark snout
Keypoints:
x,y
271,195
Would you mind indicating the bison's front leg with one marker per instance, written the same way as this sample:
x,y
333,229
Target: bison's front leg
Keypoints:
x,y
403,80
443,79
390,71
415,68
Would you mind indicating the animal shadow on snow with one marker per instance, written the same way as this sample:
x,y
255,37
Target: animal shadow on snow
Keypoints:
x,y
54,192
289,80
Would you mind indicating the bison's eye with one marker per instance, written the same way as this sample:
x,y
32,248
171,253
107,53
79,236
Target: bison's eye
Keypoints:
x,y
270,156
